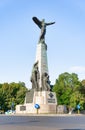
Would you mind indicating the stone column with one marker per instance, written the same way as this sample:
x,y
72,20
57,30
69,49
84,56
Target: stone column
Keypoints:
x,y
41,57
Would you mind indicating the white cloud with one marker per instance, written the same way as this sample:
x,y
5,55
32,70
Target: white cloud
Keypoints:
x,y
80,70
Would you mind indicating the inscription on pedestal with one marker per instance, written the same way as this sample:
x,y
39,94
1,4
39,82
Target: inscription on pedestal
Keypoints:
x,y
22,108
51,98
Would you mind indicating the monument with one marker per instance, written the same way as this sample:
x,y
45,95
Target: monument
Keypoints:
x,y
43,99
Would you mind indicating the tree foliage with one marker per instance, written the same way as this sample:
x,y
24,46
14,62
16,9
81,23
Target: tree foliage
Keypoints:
x,y
13,93
69,90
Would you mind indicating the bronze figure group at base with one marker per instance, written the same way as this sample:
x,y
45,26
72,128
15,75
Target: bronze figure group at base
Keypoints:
x,y
35,78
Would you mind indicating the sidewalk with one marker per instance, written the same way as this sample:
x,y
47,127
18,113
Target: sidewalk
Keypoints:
x,y
47,114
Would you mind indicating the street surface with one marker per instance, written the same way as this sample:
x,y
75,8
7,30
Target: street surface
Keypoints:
x,y
37,122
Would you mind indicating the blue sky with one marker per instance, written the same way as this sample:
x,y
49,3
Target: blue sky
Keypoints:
x,y
19,36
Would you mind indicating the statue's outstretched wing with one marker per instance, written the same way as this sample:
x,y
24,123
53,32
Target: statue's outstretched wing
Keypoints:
x,y
37,21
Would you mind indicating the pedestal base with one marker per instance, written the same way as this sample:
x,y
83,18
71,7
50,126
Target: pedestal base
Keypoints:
x,y
45,99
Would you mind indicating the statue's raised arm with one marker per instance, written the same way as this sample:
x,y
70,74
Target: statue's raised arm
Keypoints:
x,y
50,23
42,25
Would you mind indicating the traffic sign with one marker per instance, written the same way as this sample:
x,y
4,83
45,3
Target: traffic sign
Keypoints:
x,y
78,106
37,106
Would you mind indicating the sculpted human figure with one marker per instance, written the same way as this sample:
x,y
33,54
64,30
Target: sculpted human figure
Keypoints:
x,y
42,25
45,82
35,76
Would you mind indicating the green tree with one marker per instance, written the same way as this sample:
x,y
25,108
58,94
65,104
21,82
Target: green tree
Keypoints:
x,y
82,90
65,87
13,93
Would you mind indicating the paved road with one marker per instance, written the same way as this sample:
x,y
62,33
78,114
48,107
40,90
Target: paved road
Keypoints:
x,y
42,122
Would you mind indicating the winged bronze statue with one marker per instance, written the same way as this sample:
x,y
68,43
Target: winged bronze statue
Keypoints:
x,y
42,25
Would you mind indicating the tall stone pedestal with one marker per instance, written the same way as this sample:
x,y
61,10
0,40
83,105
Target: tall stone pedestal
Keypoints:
x,y
46,100
41,57
42,96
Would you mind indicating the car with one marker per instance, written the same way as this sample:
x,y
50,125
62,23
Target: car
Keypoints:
x,y
10,112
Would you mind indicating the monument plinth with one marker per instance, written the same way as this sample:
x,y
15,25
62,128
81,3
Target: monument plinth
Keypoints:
x,y
41,57
42,94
